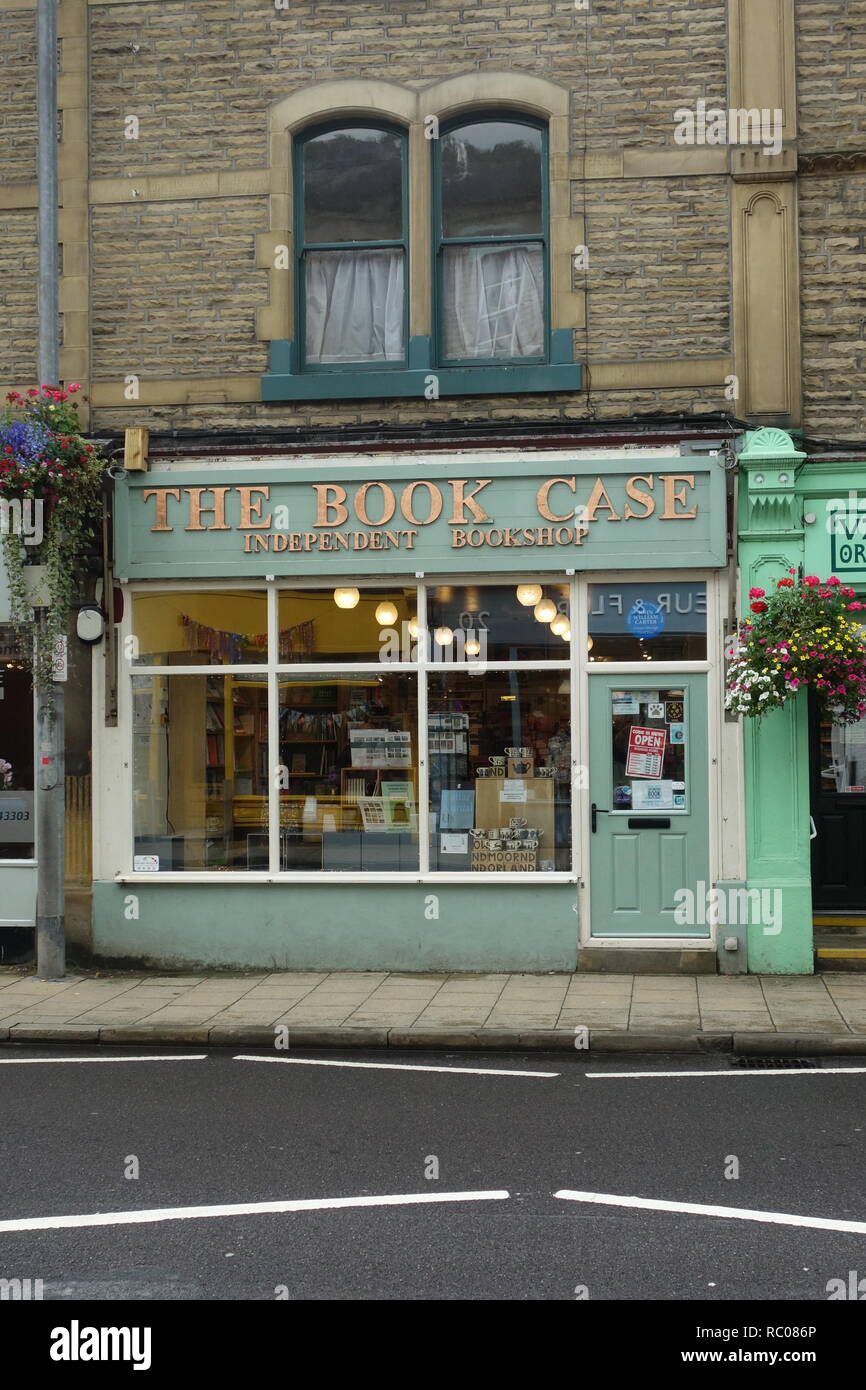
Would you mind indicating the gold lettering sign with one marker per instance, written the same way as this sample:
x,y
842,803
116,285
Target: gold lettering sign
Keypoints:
x,y
372,505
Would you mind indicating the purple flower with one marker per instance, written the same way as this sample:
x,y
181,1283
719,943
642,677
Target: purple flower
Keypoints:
x,y
27,439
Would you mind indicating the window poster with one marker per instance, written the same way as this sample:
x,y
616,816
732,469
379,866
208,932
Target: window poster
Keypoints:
x,y
457,810
646,751
653,796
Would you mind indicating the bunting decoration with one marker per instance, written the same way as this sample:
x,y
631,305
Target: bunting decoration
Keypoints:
x,y
227,648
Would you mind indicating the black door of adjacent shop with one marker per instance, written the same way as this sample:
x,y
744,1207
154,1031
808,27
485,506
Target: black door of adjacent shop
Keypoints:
x,y
838,796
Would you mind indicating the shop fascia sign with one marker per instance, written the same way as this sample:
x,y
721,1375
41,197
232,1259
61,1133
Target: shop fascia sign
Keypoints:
x,y
846,526
367,519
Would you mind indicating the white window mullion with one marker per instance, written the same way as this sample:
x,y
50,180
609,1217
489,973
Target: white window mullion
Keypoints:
x,y
423,754
273,732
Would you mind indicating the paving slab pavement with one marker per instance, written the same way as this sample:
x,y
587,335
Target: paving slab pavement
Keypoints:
x,y
797,1014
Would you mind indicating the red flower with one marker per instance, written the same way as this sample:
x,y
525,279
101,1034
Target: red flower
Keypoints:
x,y
785,584
811,580
33,391
832,580
757,593
758,607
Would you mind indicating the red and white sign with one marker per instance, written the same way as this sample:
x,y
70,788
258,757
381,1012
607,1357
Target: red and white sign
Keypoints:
x,y
646,751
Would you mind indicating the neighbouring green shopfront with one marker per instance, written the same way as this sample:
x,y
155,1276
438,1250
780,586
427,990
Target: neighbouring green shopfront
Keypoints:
x,y
414,715
805,780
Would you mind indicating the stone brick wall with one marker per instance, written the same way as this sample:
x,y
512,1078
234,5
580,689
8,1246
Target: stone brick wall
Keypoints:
x,y
18,315
601,405
17,95
175,288
658,283
645,60
833,304
206,70
831,74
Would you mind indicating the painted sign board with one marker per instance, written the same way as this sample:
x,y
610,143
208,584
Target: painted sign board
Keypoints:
x,y
435,517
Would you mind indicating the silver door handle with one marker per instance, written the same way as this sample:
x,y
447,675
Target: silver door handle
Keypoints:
x,y
814,834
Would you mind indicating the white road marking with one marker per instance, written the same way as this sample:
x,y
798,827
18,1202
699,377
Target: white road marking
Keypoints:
x,y
775,1218
22,1061
734,1071
152,1214
393,1066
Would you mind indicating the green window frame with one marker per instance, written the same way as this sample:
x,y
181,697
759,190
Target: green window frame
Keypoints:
x,y
441,242
305,247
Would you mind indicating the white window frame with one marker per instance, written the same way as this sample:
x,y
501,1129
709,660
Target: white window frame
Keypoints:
x,y
118,843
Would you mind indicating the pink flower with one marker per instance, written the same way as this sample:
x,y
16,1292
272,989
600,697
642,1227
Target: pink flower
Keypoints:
x,y
757,593
811,580
832,580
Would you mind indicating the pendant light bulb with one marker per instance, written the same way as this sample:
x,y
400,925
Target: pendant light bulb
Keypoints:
x,y
545,611
386,614
529,594
346,598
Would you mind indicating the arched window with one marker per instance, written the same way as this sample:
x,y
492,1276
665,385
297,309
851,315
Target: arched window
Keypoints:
x,y
351,239
491,238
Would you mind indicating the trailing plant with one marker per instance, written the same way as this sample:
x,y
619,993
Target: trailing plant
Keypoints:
x,y
50,494
803,634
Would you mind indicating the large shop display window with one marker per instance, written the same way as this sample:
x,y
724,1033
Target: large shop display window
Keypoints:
x,y
383,713
17,798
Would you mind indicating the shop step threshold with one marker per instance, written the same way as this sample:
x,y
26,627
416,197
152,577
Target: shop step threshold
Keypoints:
x,y
852,920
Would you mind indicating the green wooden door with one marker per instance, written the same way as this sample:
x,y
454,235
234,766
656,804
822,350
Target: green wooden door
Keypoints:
x,y
648,779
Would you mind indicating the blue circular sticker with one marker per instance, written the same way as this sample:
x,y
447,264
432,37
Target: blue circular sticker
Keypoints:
x,y
645,619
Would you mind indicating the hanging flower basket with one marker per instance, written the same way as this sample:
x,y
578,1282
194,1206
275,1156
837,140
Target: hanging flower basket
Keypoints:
x,y
50,487
805,634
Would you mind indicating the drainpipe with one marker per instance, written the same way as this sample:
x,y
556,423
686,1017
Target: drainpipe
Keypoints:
x,y
50,723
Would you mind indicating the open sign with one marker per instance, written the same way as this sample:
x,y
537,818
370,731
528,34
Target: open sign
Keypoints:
x,y
646,751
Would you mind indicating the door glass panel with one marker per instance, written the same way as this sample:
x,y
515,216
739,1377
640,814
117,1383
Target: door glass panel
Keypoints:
x,y
17,828
649,732
843,757
666,621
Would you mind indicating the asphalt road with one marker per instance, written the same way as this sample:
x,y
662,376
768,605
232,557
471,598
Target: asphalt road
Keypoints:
x,y
225,1131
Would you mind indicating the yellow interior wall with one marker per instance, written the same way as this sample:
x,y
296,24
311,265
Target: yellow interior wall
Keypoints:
x,y
158,629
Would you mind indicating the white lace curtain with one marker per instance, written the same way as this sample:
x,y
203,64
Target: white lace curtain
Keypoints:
x,y
493,304
493,301
354,303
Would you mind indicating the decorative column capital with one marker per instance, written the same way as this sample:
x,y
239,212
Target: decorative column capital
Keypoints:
x,y
771,463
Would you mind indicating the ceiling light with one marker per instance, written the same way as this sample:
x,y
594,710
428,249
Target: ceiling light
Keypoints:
x,y
529,594
346,598
386,614
560,625
444,636
545,611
